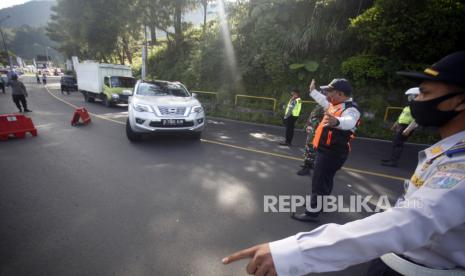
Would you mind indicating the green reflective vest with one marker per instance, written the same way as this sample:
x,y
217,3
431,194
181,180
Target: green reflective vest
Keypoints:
x,y
405,117
296,108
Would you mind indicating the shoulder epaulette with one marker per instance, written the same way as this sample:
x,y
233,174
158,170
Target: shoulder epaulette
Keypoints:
x,y
458,148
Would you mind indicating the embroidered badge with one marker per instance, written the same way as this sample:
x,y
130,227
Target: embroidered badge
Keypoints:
x,y
417,181
436,150
444,180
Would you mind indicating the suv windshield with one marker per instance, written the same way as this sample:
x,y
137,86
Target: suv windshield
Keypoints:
x,y
126,82
162,89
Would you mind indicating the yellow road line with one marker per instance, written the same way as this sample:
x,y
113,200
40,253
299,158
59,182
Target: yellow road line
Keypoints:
x,y
300,159
289,157
253,150
374,173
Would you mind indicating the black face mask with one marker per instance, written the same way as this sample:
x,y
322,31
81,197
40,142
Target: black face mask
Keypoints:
x,y
426,113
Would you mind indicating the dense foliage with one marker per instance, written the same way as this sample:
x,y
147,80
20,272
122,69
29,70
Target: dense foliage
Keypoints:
x,y
277,44
268,46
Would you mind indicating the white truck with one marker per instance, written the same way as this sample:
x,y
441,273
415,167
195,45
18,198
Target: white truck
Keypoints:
x,y
111,83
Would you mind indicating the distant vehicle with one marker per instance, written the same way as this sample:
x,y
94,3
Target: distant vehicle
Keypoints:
x,y
110,83
68,83
163,107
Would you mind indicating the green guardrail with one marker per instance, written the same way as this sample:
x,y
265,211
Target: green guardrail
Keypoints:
x,y
207,93
255,97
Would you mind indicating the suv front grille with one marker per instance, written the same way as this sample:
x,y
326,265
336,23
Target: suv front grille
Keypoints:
x,y
167,110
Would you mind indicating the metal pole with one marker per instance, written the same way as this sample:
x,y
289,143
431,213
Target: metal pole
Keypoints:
x,y
144,55
46,53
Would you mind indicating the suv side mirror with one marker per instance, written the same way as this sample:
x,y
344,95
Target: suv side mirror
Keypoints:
x,y
194,95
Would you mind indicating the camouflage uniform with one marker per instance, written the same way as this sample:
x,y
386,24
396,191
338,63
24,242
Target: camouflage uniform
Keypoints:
x,y
312,123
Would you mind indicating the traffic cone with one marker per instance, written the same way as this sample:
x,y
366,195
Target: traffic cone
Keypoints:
x,y
80,113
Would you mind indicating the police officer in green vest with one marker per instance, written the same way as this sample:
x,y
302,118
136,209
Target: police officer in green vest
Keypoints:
x,y
292,114
403,128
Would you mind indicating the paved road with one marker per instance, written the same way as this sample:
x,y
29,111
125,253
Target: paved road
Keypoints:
x,y
85,201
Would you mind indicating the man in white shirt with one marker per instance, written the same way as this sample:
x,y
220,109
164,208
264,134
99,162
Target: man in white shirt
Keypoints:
x,y
331,140
424,233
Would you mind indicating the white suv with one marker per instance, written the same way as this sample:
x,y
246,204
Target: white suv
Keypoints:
x,y
163,107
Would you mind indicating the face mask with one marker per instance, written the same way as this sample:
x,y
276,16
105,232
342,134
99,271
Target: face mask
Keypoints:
x,y
426,113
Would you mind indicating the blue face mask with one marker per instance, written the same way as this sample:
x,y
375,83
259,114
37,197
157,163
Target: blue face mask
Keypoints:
x,y
427,114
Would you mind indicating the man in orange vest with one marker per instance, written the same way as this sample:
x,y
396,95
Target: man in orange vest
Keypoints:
x,y
331,141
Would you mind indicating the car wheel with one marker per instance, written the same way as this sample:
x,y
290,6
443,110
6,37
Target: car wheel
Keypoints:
x,y
106,101
88,98
132,136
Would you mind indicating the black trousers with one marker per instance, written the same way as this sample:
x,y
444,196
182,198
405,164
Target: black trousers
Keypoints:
x,y
398,142
17,99
2,87
326,165
290,124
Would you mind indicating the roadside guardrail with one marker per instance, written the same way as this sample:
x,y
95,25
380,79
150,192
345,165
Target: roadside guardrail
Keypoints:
x,y
255,97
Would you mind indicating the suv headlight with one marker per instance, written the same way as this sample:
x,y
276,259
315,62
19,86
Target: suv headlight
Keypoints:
x,y
197,109
142,108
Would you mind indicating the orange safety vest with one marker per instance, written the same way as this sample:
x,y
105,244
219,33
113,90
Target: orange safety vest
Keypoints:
x,y
334,139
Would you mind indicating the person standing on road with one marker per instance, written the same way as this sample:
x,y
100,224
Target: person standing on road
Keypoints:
x,y
331,141
403,128
2,84
291,115
426,227
44,79
38,78
19,93
312,123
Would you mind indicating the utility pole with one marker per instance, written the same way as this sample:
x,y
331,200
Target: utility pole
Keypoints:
x,y
144,55
4,44
46,54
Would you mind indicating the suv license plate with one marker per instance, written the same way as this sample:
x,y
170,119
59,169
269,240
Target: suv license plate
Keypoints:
x,y
172,122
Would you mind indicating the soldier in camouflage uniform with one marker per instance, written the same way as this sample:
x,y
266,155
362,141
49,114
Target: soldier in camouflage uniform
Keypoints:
x,y
312,123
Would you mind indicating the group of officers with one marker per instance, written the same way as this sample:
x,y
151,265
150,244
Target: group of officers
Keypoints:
x,y
424,234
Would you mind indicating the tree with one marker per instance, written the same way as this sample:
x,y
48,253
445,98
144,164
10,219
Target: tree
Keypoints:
x,y
412,31
102,31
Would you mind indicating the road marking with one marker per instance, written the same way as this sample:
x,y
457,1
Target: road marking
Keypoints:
x,y
289,157
252,150
90,113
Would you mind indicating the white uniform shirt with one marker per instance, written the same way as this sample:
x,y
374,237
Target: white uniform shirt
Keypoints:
x,y
348,119
427,226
